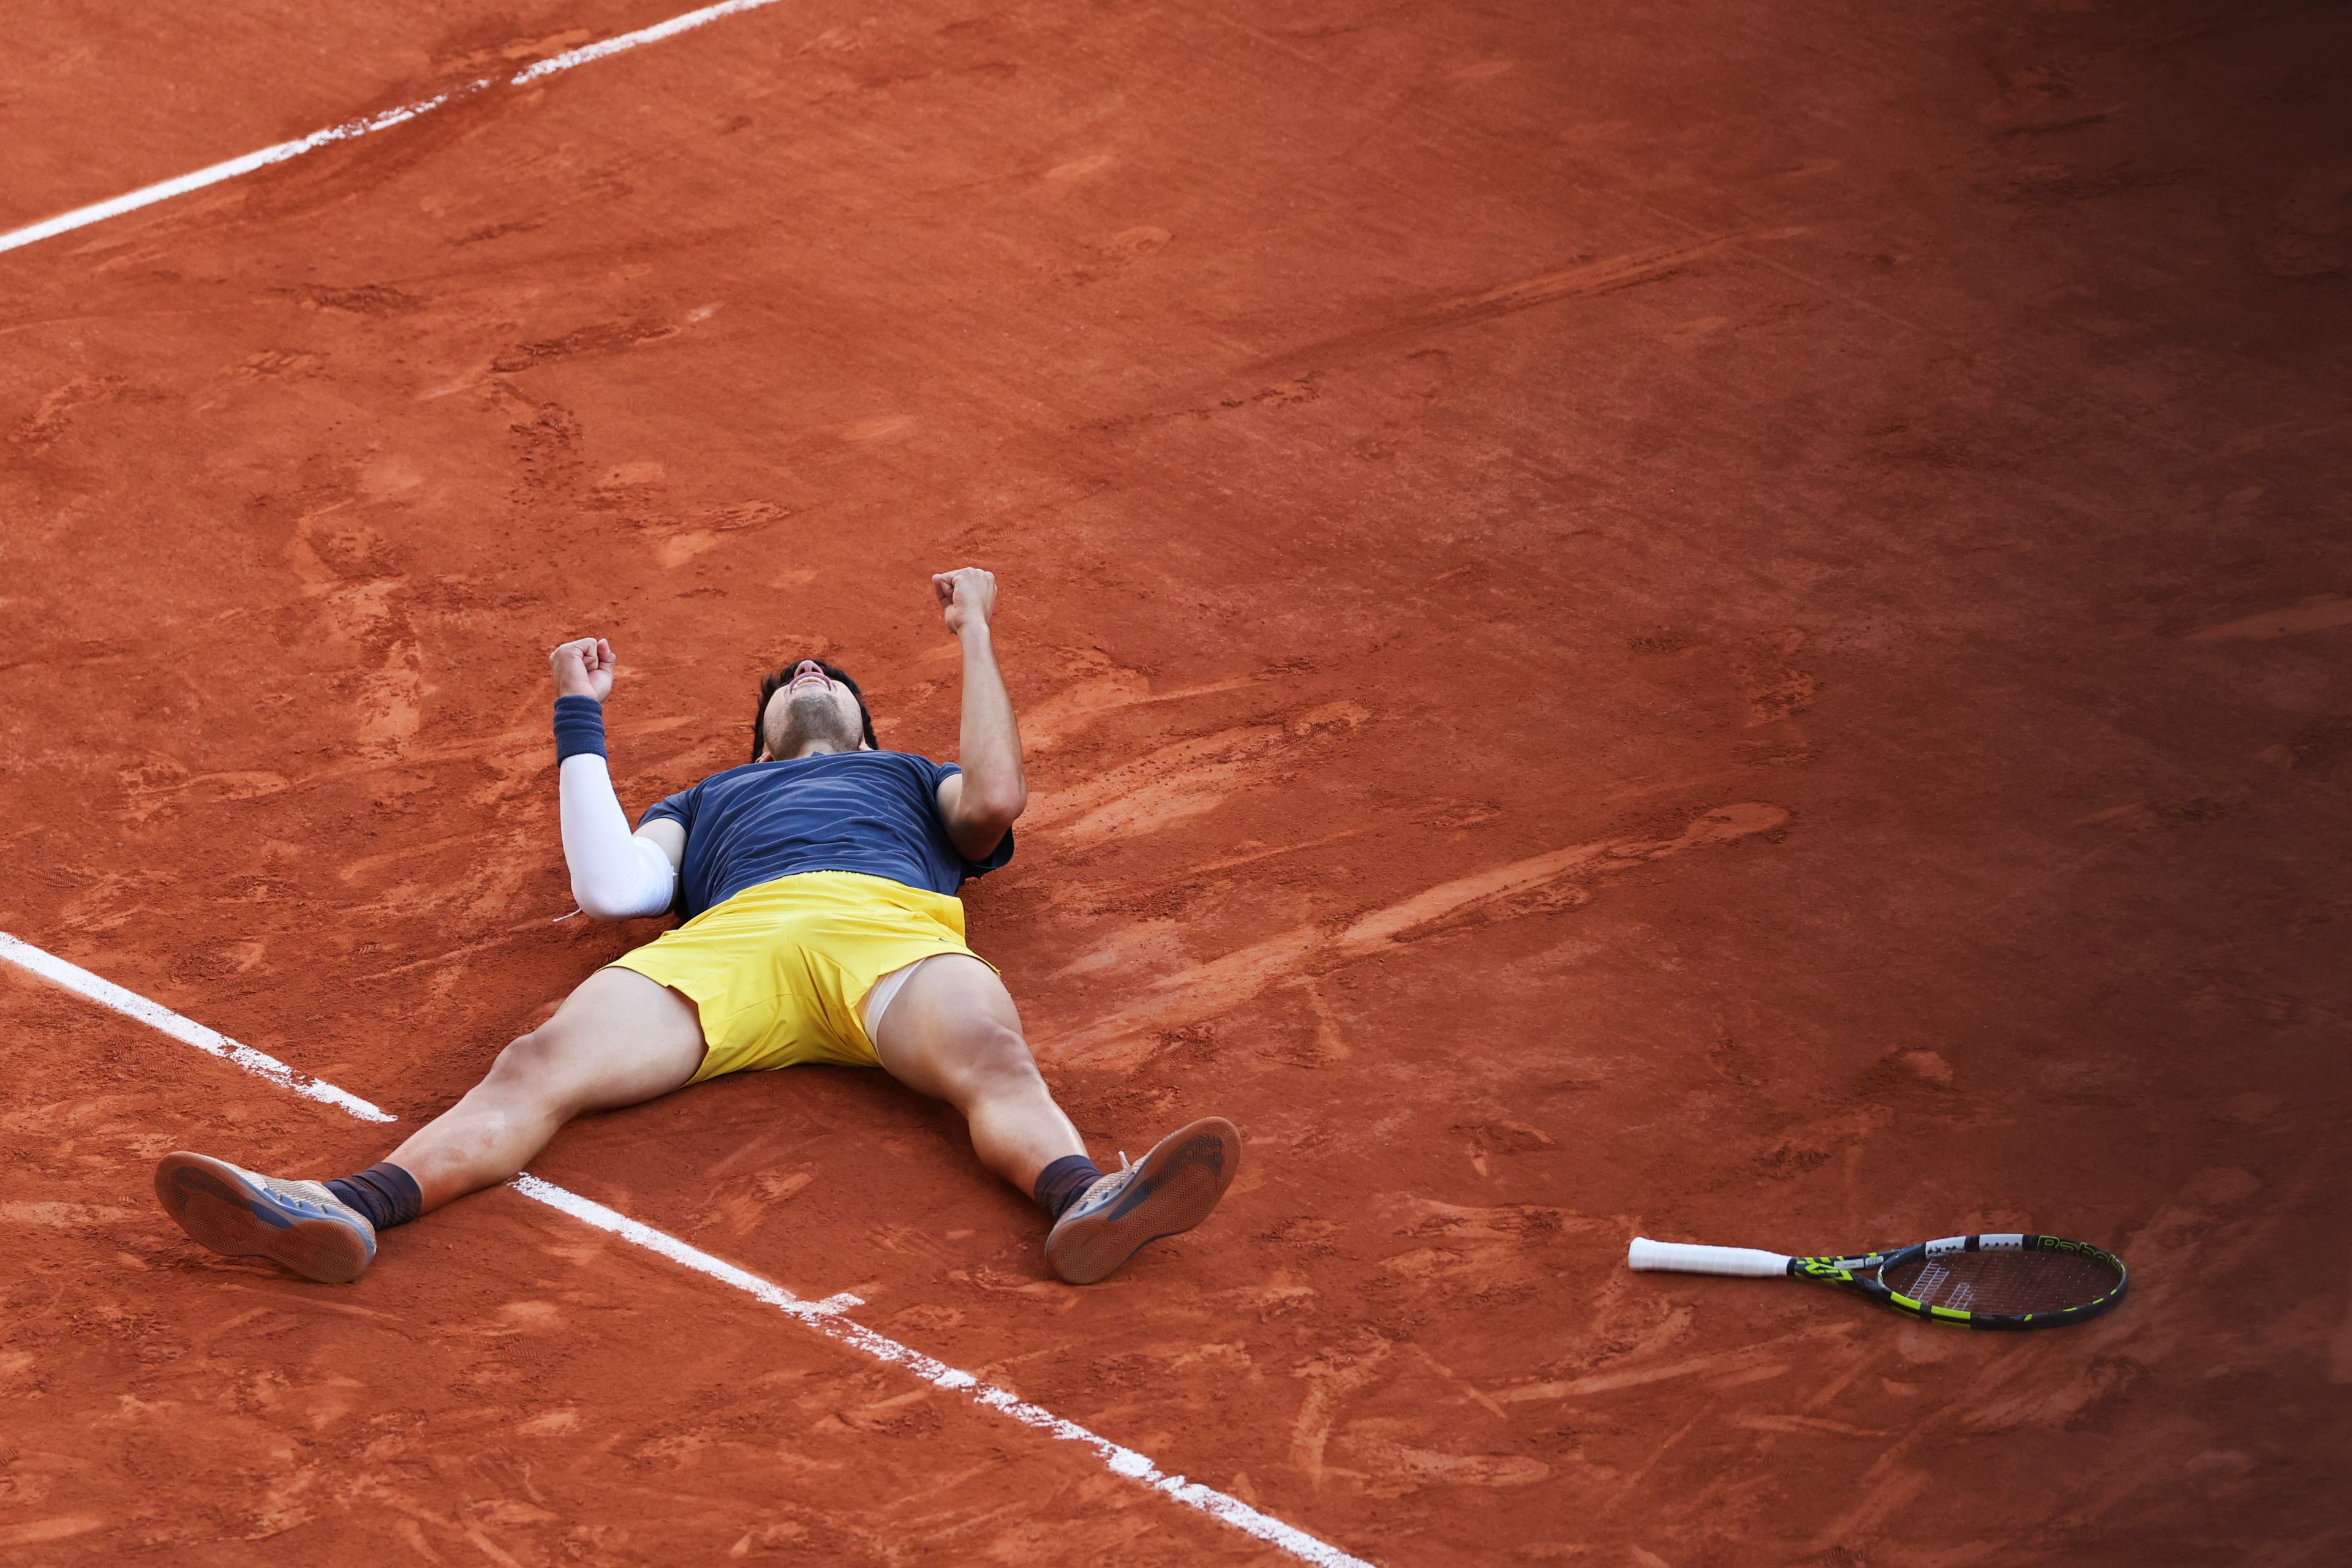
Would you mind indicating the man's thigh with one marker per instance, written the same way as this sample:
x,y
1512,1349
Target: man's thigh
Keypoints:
x,y
618,1039
952,1017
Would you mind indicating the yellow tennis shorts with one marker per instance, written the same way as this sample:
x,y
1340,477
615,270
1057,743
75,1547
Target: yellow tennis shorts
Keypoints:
x,y
779,972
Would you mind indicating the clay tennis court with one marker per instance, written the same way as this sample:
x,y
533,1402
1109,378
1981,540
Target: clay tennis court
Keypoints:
x,y
1726,622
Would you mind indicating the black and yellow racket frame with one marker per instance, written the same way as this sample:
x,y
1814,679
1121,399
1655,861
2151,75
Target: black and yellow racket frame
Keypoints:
x,y
1862,1273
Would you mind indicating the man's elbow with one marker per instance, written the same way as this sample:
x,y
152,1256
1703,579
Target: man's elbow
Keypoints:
x,y
632,890
995,812
599,903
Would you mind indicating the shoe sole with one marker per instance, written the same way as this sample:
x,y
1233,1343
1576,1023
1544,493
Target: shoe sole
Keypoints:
x,y
1179,1186
212,1201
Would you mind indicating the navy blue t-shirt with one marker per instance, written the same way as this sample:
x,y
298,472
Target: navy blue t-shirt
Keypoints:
x,y
876,812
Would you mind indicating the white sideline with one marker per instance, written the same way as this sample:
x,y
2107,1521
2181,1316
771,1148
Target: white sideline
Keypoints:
x,y
827,1316
107,994
164,190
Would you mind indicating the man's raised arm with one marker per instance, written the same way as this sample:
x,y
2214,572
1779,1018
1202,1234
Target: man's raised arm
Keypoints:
x,y
616,875
979,804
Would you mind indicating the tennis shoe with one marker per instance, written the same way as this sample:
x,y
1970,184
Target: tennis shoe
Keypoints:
x,y
1175,1188
239,1214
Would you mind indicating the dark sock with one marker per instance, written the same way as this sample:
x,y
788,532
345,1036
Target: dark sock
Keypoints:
x,y
1064,1182
387,1195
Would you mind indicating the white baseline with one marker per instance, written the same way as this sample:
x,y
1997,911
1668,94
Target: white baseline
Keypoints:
x,y
188,1032
827,1317
164,190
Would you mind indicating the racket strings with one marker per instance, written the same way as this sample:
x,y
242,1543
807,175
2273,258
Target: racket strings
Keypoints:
x,y
2006,1283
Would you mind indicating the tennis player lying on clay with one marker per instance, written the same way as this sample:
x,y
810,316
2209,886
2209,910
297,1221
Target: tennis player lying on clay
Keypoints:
x,y
818,888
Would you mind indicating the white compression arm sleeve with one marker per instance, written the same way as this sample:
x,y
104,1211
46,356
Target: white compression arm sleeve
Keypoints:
x,y
616,875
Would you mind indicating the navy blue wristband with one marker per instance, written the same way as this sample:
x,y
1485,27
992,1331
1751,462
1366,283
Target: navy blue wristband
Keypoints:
x,y
578,728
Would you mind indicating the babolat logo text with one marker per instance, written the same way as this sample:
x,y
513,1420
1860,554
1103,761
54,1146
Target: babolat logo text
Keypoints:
x,y
2060,1244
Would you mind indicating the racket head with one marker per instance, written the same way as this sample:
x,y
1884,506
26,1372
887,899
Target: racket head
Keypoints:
x,y
2000,1281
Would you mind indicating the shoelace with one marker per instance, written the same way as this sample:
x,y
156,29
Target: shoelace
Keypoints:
x,y
297,1202
302,1202
1125,1165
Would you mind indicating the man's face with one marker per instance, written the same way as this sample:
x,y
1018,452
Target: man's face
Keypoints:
x,y
812,708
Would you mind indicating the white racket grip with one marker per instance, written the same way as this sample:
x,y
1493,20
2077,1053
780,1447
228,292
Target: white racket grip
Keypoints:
x,y
1686,1259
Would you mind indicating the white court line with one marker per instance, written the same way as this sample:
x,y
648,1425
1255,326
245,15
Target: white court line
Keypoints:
x,y
827,1319
827,1316
107,994
146,196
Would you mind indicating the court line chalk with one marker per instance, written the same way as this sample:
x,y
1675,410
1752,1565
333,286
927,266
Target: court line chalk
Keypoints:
x,y
828,1317
155,1015
351,130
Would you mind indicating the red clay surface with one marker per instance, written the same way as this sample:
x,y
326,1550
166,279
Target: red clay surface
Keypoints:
x,y
1721,621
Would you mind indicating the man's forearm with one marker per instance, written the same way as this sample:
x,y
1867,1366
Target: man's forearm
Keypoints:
x,y
990,746
614,876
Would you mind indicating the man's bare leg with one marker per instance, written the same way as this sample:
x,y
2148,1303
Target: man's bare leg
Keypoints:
x,y
953,1033
618,1039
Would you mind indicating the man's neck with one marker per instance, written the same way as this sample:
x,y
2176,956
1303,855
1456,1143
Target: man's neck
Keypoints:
x,y
813,749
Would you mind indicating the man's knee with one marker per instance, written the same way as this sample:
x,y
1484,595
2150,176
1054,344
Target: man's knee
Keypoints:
x,y
532,1062
996,1061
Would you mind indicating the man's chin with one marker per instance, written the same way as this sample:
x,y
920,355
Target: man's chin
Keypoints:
x,y
796,741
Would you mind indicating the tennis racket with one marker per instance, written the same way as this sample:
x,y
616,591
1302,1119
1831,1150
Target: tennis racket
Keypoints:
x,y
1998,1281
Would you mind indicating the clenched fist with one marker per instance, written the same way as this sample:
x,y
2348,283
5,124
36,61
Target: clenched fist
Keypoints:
x,y
967,595
584,668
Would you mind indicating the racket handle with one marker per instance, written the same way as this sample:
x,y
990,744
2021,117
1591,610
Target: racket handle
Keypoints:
x,y
1684,1259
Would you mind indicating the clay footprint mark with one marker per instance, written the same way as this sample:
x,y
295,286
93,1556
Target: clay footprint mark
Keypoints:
x,y
42,428
362,300
677,541
601,337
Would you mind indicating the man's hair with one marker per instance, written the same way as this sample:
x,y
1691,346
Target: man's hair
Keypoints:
x,y
782,679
